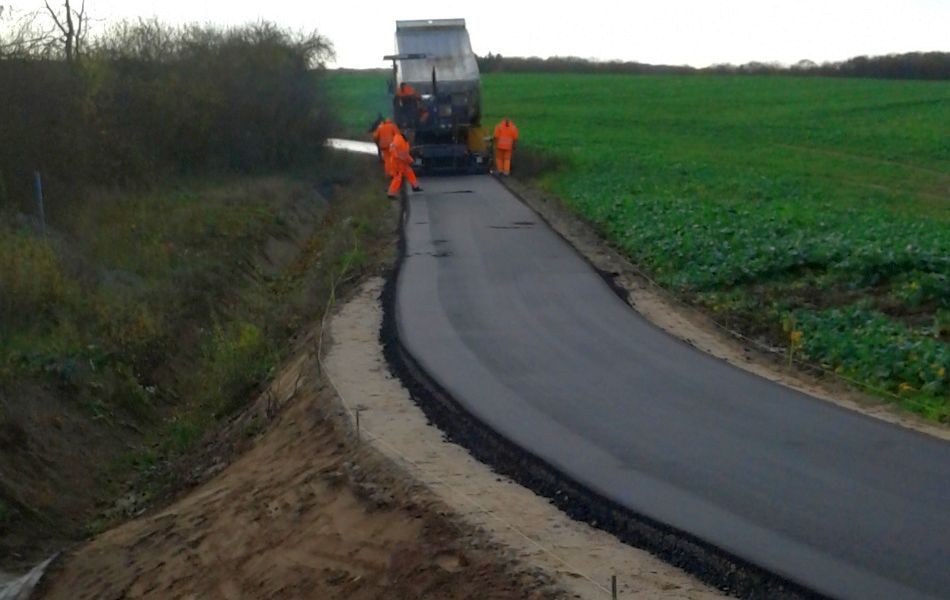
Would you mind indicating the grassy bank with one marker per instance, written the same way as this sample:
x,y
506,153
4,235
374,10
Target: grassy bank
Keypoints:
x,y
811,213
135,329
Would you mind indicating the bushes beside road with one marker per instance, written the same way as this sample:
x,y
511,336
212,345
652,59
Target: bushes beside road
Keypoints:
x,y
147,100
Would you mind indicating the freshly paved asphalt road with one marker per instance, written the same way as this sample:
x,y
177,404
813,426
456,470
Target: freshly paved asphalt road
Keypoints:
x,y
521,331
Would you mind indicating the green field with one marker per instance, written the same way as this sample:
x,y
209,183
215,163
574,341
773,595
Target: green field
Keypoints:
x,y
358,97
806,211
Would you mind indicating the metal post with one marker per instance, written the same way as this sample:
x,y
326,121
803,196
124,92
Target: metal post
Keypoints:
x,y
613,587
38,192
358,409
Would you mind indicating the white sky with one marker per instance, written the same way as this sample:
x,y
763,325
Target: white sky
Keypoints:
x,y
694,32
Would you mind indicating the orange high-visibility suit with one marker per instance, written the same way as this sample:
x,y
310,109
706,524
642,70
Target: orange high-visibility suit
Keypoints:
x,y
383,137
505,135
401,161
408,108
405,89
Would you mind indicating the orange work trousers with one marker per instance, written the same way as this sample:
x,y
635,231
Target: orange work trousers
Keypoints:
x,y
503,160
400,170
387,161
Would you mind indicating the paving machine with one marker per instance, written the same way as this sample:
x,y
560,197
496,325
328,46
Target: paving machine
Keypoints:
x,y
439,110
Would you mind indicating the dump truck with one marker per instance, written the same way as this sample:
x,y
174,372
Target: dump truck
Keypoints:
x,y
441,117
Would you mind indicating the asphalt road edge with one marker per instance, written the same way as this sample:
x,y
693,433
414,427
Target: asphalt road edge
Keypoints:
x,y
704,561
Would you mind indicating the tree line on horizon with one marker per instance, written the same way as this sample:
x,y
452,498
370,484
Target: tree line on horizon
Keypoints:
x,y
910,65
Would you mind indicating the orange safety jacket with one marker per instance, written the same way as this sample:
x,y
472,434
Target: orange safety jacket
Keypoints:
x,y
406,90
385,133
505,134
400,150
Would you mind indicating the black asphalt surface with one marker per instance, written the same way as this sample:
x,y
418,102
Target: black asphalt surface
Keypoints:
x,y
504,315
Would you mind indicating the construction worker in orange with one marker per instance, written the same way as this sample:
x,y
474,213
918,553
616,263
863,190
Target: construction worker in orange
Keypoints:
x,y
406,90
383,136
401,161
506,133
407,105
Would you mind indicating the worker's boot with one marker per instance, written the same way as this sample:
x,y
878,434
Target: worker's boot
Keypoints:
x,y
416,188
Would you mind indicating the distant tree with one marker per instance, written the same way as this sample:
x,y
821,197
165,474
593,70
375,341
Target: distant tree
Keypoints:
x,y
71,24
490,62
23,35
804,66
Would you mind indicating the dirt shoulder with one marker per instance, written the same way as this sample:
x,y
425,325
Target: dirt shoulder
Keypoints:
x,y
305,512
697,328
579,558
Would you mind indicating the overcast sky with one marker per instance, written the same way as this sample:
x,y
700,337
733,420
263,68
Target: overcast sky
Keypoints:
x,y
694,32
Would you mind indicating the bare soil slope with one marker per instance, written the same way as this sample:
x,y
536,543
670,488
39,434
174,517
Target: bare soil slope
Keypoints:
x,y
301,514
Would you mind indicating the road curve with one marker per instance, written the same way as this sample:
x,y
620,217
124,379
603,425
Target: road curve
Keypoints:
x,y
525,335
